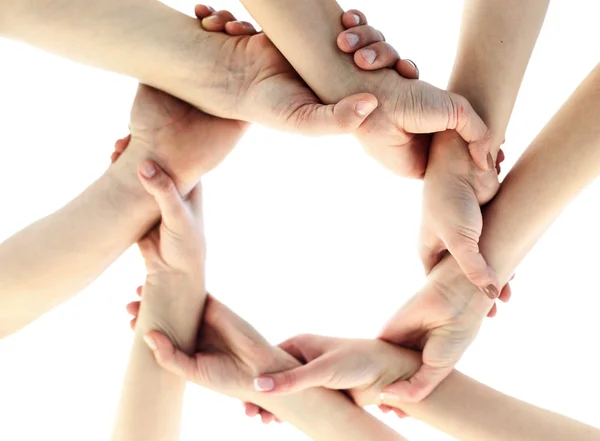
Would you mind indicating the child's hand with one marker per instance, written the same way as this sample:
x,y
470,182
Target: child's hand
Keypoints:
x,y
360,367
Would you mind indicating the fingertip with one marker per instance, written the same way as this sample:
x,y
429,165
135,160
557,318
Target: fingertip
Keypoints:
x,y
237,28
148,169
353,18
408,69
139,290
264,384
203,11
364,108
213,23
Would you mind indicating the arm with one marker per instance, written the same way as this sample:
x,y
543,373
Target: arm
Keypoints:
x,y
560,162
470,411
495,45
460,406
406,107
174,297
496,42
70,248
144,39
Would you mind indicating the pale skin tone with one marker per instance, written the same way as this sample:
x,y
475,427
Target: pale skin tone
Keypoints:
x,y
166,49
174,252
445,316
492,33
460,406
89,233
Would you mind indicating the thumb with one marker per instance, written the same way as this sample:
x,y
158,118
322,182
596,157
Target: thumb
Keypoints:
x,y
416,388
169,357
469,125
334,119
472,263
313,374
160,185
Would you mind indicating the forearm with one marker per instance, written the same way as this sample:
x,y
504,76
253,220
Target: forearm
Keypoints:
x,y
70,248
305,32
143,39
496,42
470,411
560,162
152,398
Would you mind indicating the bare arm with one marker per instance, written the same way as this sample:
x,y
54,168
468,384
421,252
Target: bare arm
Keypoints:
x,y
144,39
470,411
174,297
562,160
70,248
496,42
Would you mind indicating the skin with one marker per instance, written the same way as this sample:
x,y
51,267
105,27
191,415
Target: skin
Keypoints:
x,y
460,407
174,251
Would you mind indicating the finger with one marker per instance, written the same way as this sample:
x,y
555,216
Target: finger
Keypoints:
x,y
400,413
114,157
505,294
314,374
493,311
217,21
472,129
501,157
251,409
236,28
353,18
384,408
161,186
408,69
266,417
133,308
121,144
415,389
343,117
472,263
169,357
139,290
359,37
132,323
376,56
203,11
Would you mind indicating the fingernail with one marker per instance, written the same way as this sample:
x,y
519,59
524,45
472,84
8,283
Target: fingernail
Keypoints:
x,y
491,291
148,169
214,18
369,55
364,108
490,162
356,18
413,65
150,342
385,396
264,384
210,8
351,39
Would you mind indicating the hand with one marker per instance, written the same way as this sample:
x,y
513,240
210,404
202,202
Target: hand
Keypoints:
x,y
360,367
408,107
186,142
453,192
230,353
271,92
442,320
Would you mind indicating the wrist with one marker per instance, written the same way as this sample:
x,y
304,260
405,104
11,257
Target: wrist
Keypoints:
x,y
174,309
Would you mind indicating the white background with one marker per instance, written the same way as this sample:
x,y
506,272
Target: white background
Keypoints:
x,y
305,235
